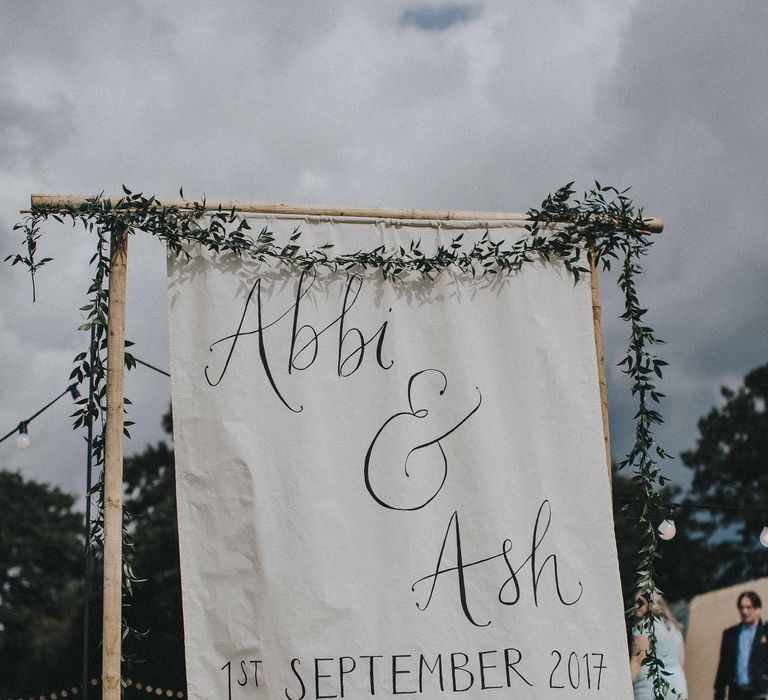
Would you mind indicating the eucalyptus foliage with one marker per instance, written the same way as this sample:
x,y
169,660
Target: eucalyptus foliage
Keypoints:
x,y
602,228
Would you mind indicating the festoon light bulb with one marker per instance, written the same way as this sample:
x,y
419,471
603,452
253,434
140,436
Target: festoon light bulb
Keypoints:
x,y
667,529
22,439
764,536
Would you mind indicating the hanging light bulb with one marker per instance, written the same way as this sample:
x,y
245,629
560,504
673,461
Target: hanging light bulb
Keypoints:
x,y
764,536
667,529
22,439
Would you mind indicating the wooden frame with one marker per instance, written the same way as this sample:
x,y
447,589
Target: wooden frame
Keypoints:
x,y
113,471
113,468
652,224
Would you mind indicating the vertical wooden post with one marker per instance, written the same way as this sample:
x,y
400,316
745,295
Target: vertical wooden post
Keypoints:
x,y
596,321
113,469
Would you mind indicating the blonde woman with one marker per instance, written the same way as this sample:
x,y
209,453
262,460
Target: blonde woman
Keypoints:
x,y
669,649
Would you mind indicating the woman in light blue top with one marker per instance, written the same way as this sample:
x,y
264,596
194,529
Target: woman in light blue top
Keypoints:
x,y
669,649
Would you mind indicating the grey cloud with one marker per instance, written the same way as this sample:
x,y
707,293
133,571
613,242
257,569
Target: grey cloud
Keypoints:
x,y
439,18
335,103
30,133
681,120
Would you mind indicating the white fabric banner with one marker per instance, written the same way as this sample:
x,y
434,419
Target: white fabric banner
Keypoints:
x,y
391,488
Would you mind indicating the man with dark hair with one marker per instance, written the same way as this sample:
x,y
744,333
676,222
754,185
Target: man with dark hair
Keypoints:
x,y
743,667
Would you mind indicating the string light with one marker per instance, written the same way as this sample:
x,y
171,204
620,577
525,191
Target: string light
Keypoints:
x,y
75,690
22,442
21,430
667,529
22,439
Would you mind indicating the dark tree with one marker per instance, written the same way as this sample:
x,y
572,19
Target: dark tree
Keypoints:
x,y
157,657
682,568
730,467
42,568
41,571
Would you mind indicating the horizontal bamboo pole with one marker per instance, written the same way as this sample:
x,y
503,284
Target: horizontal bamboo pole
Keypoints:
x,y
652,225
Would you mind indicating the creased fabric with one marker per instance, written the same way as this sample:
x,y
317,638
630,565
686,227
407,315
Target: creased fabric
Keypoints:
x,y
391,488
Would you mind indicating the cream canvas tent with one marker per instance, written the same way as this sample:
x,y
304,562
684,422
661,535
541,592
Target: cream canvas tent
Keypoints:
x,y
709,615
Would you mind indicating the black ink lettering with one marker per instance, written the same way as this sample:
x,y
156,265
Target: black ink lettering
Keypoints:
x,y
263,354
599,668
483,669
459,568
255,671
343,671
510,666
318,676
260,328
228,666
380,345
396,673
240,333
438,665
241,683
420,413
358,352
536,575
552,675
359,349
371,674
295,333
571,657
586,668
298,332
538,538
506,548
466,566
234,339
460,667
342,335
294,663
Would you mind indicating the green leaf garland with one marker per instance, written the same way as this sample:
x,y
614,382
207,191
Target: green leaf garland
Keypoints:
x,y
603,227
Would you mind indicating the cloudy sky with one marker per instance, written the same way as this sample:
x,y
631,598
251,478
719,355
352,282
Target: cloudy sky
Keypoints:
x,y
486,105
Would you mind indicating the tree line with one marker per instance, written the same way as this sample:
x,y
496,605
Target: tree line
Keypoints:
x,y
42,569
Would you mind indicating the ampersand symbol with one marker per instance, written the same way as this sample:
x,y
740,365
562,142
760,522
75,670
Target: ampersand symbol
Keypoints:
x,y
432,449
